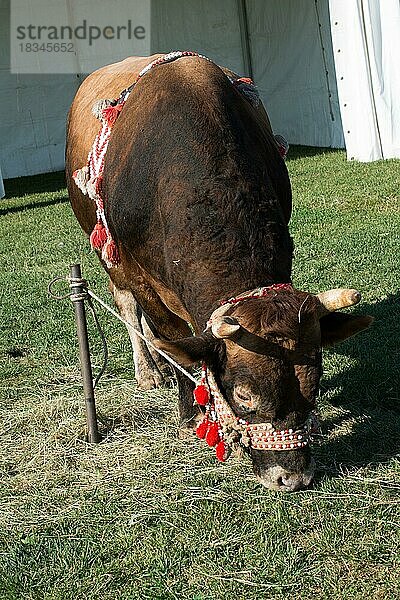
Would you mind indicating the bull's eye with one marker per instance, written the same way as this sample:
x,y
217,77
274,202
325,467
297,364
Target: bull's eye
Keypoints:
x,y
243,399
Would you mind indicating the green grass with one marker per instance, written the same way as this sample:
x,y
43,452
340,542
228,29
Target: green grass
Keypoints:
x,y
145,515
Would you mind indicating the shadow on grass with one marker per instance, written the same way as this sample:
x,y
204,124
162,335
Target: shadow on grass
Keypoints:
x,y
34,184
296,152
42,204
369,391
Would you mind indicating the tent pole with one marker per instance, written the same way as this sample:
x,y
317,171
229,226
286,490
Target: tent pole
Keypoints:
x,y
245,39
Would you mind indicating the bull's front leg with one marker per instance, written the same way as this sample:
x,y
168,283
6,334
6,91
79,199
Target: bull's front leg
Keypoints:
x,y
170,326
189,414
150,334
147,372
162,322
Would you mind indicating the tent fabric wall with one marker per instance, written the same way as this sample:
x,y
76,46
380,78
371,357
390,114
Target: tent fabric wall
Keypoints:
x,y
35,107
33,114
33,134
291,51
207,26
2,193
288,63
294,69
293,62
366,42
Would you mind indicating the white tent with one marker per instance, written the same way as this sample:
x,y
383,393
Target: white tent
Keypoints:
x,y
366,44
317,64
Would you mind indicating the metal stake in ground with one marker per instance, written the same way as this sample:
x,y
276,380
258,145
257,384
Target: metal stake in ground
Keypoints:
x,y
78,296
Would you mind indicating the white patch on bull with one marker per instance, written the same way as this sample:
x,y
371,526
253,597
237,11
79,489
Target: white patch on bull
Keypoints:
x,y
99,106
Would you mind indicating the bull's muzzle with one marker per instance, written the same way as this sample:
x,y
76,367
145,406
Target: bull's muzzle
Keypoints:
x,y
279,479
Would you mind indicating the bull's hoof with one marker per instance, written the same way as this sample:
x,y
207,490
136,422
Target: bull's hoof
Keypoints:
x,y
150,381
187,429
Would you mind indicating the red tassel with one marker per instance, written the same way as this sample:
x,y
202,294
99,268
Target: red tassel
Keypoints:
x,y
201,395
111,113
282,151
245,80
202,429
221,451
110,253
98,237
212,436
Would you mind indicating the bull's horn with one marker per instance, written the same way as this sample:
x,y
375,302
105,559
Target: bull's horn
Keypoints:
x,y
224,327
335,299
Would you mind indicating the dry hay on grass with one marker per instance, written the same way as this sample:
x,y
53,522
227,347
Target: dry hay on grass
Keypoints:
x,y
51,469
143,501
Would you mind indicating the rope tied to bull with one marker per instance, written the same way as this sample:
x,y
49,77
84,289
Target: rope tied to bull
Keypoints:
x,y
220,427
88,294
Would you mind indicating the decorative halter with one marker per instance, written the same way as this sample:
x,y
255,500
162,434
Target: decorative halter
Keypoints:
x,y
224,430
89,178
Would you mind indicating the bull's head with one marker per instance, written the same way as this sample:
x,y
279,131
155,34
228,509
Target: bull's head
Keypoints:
x,y
265,355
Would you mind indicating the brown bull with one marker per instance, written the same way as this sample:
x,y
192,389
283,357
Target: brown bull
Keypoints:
x,y
198,200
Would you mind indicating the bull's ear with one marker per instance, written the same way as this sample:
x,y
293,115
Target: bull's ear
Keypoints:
x,y
336,327
189,350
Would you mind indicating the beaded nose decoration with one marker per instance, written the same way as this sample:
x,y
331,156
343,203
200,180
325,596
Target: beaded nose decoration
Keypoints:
x,y
222,429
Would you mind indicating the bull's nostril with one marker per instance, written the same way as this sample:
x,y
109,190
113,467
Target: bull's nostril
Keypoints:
x,y
284,482
279,479
290,483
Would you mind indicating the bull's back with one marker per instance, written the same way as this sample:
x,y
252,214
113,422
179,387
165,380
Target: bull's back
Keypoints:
x,y
193,178
181,160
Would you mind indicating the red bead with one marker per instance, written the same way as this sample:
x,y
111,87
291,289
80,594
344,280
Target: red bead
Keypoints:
x,y
221,451
202,429
212,436
201,395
